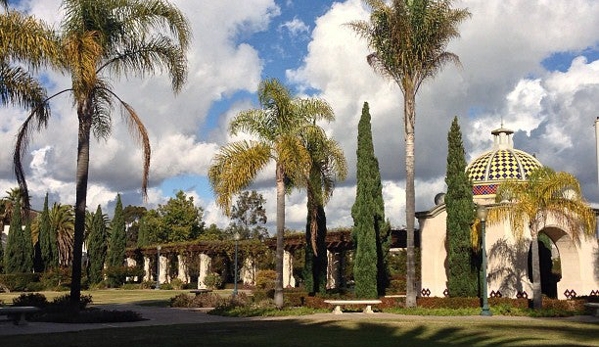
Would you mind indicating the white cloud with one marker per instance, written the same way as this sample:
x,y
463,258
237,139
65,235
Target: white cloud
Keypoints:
x,y
295,27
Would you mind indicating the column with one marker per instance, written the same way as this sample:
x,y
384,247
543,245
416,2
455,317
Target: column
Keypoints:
x,y
333,275
288,279
248,271
205,262
147,270
182,273
163,269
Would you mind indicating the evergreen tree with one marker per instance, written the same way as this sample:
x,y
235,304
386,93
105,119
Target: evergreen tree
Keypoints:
x,y
462,279
15,256
96,250
47,239
118,236
370,230
27,248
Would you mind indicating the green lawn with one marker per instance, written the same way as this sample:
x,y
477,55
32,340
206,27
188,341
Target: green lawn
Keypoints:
x,y
380,333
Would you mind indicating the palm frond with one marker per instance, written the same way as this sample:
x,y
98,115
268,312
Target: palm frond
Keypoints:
x,y
234,167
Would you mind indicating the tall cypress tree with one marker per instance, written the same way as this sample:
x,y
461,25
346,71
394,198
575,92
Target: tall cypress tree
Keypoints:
x,y
462,279
370,229
97,246
47,239
15,255
27,248
118,236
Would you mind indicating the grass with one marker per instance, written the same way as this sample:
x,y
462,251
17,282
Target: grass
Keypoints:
x,y
405,331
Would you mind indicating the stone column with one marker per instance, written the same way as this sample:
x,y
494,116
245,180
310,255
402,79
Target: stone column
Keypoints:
x,y
288,279
248,271
130,262
333,275
147,270
182,273
205,262
163,269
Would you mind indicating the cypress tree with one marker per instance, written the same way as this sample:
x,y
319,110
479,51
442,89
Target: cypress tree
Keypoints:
x,y
462,280
370,230
15,256
27,248
118,236
97,247
47,239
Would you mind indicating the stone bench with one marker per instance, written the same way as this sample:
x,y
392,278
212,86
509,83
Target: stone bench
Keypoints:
x,y
200,291
339,303
18,313
593,305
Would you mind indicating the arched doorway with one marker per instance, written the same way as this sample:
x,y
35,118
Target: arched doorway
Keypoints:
x,y
550,265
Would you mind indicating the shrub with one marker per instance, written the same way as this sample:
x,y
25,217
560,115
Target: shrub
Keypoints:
x,y
31,299
396,286
147,285
56,279
197,301
265,279
213,281
18,282
260,295
177,283
64,302
131,286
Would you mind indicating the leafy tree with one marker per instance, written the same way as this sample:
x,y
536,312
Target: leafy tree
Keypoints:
x,y
328,165
116,249
181,219
100,40
97,246
408,39
546,195
47,239
276,128
213,233
133,215
248,216
462,278
150,226
370,229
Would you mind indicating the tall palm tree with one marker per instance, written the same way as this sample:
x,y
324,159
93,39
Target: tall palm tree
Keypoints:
x,y
547,195
328,165
101,40
408,39
276,128
62,224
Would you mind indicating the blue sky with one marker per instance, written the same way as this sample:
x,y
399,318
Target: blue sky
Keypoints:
x,y
525,63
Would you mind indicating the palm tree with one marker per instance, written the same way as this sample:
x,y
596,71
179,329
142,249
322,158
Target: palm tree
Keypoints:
x,y
28,40
100,40
328,165
276,128
63,226
408,40
547,195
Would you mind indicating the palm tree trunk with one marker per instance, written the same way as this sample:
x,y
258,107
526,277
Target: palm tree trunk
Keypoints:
x,y
81,197
537,300
280,177
409,120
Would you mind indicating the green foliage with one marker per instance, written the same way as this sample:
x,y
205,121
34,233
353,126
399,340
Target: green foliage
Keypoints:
x,y
18,281
31,299
213,281
18,255
97,246
118,237
133,215
196,301
265,279
47,239
462,265
248,216
370,230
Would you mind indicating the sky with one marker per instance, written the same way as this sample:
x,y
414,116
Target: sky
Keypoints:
x,y
531,64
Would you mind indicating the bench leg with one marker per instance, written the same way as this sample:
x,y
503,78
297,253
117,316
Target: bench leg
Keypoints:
x,y
368,309
19,319
337,310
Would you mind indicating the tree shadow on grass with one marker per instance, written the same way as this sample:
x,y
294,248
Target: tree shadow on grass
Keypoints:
x,y
346,333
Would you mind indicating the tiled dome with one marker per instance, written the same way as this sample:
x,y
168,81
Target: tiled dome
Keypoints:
x,y
501,163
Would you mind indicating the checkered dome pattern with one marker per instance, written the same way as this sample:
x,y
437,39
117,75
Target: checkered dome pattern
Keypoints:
x,y
501,165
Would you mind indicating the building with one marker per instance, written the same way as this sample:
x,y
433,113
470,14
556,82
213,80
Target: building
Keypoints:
x,y
572,262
